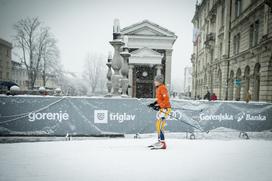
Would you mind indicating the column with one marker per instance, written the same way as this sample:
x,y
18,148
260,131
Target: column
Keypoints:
x,y
265,92
124,70
168,63
116,65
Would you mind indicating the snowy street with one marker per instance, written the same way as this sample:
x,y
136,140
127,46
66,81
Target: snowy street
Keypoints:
x,y
130,159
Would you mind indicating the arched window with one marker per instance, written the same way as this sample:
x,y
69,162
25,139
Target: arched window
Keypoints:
x,y
205,79
231,86
238,84
269,83
256,82
247,80
211,81
220,83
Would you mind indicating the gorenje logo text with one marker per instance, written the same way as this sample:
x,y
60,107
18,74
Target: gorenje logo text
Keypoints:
x,y
58,116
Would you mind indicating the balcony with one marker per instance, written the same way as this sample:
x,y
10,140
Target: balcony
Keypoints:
x,y
193,57
210,40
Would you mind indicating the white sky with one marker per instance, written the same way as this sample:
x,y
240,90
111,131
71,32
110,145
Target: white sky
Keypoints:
x,y
85,26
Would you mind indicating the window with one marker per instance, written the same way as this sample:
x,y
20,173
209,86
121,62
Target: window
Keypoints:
x,y
251,35
1,75
223,14
211,55
254,34
236,44
220,50
238,7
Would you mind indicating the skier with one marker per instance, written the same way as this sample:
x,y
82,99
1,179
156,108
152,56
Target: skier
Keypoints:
x,y
213,97
162,104
207,96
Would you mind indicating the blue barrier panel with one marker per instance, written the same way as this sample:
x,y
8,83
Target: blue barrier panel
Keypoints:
x,y
82,115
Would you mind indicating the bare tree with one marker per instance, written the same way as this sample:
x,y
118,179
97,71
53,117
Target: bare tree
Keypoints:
x,y
33,41
95,71
50,61
71,84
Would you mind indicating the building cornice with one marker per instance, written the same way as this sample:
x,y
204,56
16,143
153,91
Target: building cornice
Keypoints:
x,y
5,43
252,51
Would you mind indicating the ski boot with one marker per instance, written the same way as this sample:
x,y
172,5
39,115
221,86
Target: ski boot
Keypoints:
x,y
155,144
161,145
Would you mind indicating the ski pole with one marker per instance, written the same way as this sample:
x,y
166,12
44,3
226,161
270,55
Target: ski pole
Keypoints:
x,y
184,109
200,129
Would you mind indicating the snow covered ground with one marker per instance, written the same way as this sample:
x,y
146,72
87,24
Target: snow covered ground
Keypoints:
x,y
127,159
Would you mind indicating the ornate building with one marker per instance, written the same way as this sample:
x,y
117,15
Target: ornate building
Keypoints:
x,y
19,75
150,48
233,49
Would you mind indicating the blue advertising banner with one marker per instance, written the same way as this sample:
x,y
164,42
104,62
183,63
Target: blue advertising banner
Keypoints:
x,y
94,116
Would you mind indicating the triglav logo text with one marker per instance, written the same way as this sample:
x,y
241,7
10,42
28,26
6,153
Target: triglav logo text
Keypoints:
x,y
102,116
59,116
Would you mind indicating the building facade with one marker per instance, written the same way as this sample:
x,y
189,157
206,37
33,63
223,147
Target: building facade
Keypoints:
x,y
150,46
233,49
187,81
5,60
19,75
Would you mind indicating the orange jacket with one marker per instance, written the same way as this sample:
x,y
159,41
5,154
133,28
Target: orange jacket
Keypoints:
x,y
162,96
